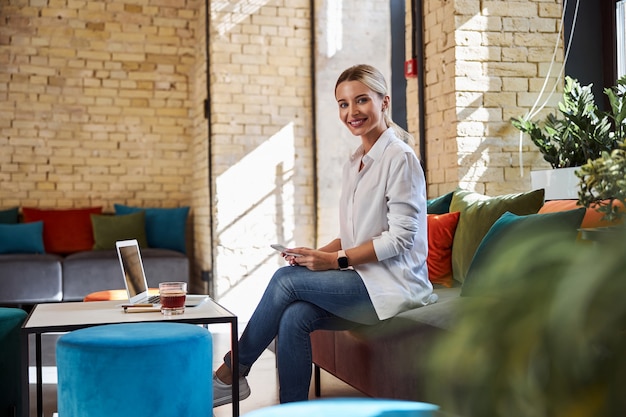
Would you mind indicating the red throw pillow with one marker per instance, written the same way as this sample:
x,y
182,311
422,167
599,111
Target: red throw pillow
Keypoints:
x,y
64,231
592,218
441,228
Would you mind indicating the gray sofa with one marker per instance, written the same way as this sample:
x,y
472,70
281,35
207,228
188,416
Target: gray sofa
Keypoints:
x,y
27,279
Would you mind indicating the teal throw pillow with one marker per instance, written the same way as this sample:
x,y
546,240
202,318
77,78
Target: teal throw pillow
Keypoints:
x,y
109,229
9,216
439,205
511,228
21,238
165,227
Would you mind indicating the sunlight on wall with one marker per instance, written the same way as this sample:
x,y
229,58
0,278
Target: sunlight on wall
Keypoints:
x,y
259,213
477,170
239,11
469,131
334,39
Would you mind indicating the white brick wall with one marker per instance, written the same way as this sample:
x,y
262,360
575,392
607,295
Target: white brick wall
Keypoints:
x,y
485,63
261,138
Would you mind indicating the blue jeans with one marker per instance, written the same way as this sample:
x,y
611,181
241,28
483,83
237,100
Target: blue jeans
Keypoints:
x,y
296,302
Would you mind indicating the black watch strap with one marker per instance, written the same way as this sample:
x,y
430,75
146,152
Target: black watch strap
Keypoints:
x,y
342,260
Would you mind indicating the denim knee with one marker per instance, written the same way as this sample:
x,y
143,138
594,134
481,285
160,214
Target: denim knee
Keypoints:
x,y
298,316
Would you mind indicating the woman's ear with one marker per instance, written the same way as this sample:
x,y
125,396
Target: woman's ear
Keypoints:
x,y
386,101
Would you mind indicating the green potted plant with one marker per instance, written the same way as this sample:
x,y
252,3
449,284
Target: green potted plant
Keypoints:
x,y
582,133
603,182
543,337
603,178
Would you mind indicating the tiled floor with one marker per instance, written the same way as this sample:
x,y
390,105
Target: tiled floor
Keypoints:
x,y
262,378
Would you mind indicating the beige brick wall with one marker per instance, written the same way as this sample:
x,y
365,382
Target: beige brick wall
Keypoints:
x,y
95,102
485,63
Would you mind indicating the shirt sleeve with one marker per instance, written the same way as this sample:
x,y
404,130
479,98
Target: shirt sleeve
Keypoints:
x,y
405,202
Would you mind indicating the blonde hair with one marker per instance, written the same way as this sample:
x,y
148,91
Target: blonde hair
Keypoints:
x,y
375,81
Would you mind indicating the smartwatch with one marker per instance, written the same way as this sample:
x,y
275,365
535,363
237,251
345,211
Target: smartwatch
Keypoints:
x,y
342,260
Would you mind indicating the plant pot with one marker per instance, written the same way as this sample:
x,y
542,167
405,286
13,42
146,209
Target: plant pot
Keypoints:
x,y
559,183
603,234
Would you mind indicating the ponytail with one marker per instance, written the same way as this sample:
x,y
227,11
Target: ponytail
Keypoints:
x,y
405,136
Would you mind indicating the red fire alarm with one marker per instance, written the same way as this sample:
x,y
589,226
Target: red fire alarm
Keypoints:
x,y
410,68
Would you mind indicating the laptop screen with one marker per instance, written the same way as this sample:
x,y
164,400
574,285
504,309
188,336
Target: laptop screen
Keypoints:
x,y
133,269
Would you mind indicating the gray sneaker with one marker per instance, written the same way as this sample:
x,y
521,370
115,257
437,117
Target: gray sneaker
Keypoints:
x,y
223,394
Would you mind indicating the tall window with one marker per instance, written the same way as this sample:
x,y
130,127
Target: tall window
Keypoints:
x,y
620,25
597,30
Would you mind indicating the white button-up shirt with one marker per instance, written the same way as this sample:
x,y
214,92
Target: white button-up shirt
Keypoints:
x,y
386,202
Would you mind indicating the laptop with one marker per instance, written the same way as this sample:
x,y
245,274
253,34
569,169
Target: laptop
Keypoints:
x,y
135,280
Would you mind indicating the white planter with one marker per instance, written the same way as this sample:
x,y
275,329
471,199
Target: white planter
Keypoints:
x,y
560,183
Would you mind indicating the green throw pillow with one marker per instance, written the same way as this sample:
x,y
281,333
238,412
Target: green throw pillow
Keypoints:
x,y
109,229
511,228
478,213
439,205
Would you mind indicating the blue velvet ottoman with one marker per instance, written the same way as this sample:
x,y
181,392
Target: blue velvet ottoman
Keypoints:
x,y
352,407
11,320
137,369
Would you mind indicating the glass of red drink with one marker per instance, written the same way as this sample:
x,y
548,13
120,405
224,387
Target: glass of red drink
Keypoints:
x,y
173,295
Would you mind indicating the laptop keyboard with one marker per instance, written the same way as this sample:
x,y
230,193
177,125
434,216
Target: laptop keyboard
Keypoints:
x,y
154,299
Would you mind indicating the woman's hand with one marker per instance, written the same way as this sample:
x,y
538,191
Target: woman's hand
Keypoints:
x,y
313,259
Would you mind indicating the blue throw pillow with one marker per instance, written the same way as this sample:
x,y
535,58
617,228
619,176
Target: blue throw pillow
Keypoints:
x,y
9,216
165,227
439,205
21,238
511,228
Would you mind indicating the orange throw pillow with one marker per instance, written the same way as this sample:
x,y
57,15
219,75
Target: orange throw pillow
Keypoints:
x,y
64,231
592,218
441,228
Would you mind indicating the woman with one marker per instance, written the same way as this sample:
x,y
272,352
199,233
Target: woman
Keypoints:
x,y
373,271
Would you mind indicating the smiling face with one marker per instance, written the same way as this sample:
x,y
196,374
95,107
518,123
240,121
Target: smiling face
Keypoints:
x,y
361,109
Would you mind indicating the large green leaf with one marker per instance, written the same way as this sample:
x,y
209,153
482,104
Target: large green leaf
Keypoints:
x,y
583,132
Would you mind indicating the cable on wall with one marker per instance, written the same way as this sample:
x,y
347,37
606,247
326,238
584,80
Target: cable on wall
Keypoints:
x,y
534,109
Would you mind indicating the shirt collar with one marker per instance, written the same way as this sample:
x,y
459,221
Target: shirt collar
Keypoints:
x,y
381,143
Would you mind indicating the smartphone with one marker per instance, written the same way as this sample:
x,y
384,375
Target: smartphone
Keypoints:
x,y
282,249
